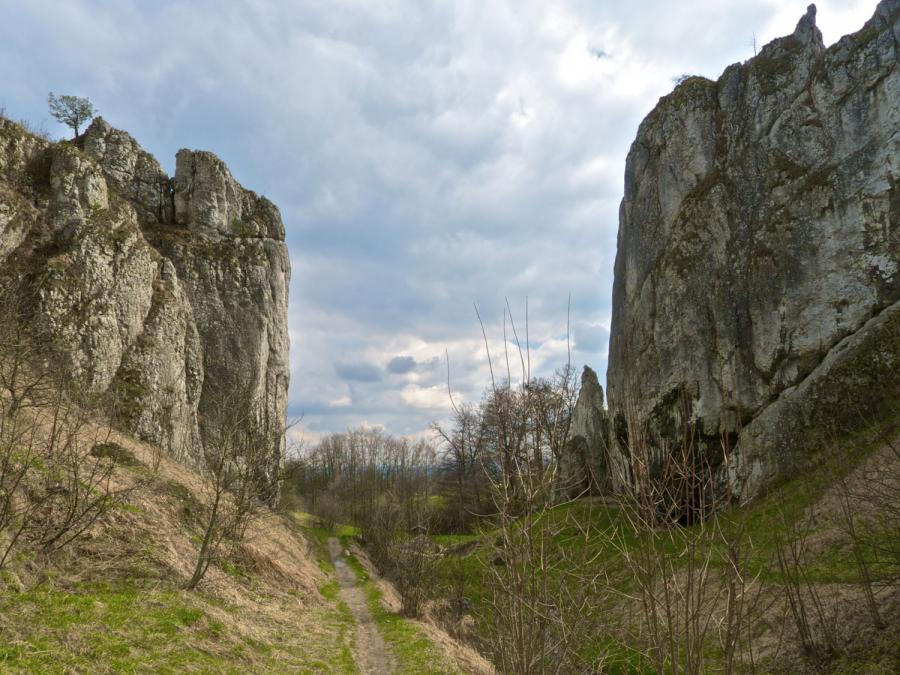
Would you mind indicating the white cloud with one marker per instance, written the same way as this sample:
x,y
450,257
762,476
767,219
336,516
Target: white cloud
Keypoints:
x,y
427,398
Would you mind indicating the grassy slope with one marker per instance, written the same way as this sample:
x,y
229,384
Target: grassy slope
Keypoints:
x,y
829,562
114,602
128,626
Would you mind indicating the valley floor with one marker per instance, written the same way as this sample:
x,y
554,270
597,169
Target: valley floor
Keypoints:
x,y
373,654
805,516
115,602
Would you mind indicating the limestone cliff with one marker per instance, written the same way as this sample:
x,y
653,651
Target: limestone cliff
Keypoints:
x,y
165,295
759,248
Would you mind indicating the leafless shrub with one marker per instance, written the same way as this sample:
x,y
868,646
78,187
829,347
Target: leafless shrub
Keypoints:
x,y
464,481
869,509
234,452
743,590
53,484
849,521
543,599
39,130
414,560
871,506
816,625
688,554
329,511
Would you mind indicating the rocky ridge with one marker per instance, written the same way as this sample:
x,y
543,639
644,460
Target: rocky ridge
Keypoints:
x,y
166,295
758,253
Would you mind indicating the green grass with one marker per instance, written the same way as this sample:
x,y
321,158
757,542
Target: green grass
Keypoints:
x,y
452,539
234,570
310,524
127,627
344,624
122,626
345,531
318,538
303,519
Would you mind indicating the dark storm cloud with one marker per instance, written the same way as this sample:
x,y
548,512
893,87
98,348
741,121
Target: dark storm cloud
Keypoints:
x,y
401,364
425,156
358,372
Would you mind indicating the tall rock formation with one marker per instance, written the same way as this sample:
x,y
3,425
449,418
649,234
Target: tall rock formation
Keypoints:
x,y
169,296
759,249
584,464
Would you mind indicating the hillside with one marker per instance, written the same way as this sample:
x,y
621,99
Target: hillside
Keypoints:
x,y
832,574
114,600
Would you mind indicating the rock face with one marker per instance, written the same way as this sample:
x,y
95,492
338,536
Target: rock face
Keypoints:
x,y
759,249
583,467
167,295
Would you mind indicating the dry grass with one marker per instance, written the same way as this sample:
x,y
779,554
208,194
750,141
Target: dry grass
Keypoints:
x,y
881,467
115,601
275,551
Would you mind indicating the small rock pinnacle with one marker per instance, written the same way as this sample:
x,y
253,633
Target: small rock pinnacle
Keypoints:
x,y
806,29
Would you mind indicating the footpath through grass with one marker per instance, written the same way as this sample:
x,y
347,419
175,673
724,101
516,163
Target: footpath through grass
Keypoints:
x,y
413,652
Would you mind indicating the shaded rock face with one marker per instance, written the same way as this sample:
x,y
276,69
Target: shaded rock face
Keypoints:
x,y
759,249
167,295
583,466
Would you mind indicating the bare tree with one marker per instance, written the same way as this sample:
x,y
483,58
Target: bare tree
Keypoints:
x,y
460,466
544,598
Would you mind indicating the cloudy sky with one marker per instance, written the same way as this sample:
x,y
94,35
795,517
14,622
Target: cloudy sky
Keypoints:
x,y
425,156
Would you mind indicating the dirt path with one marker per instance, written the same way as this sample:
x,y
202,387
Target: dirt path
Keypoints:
x,y
372,654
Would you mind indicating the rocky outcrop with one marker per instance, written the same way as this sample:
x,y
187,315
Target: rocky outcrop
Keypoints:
x,y
583,465
759,249
167,296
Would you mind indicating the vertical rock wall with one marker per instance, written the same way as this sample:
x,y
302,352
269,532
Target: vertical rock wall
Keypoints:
x,y
759,249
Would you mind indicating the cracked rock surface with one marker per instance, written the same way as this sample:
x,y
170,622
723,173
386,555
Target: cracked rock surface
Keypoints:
x,y
167,295
759,249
